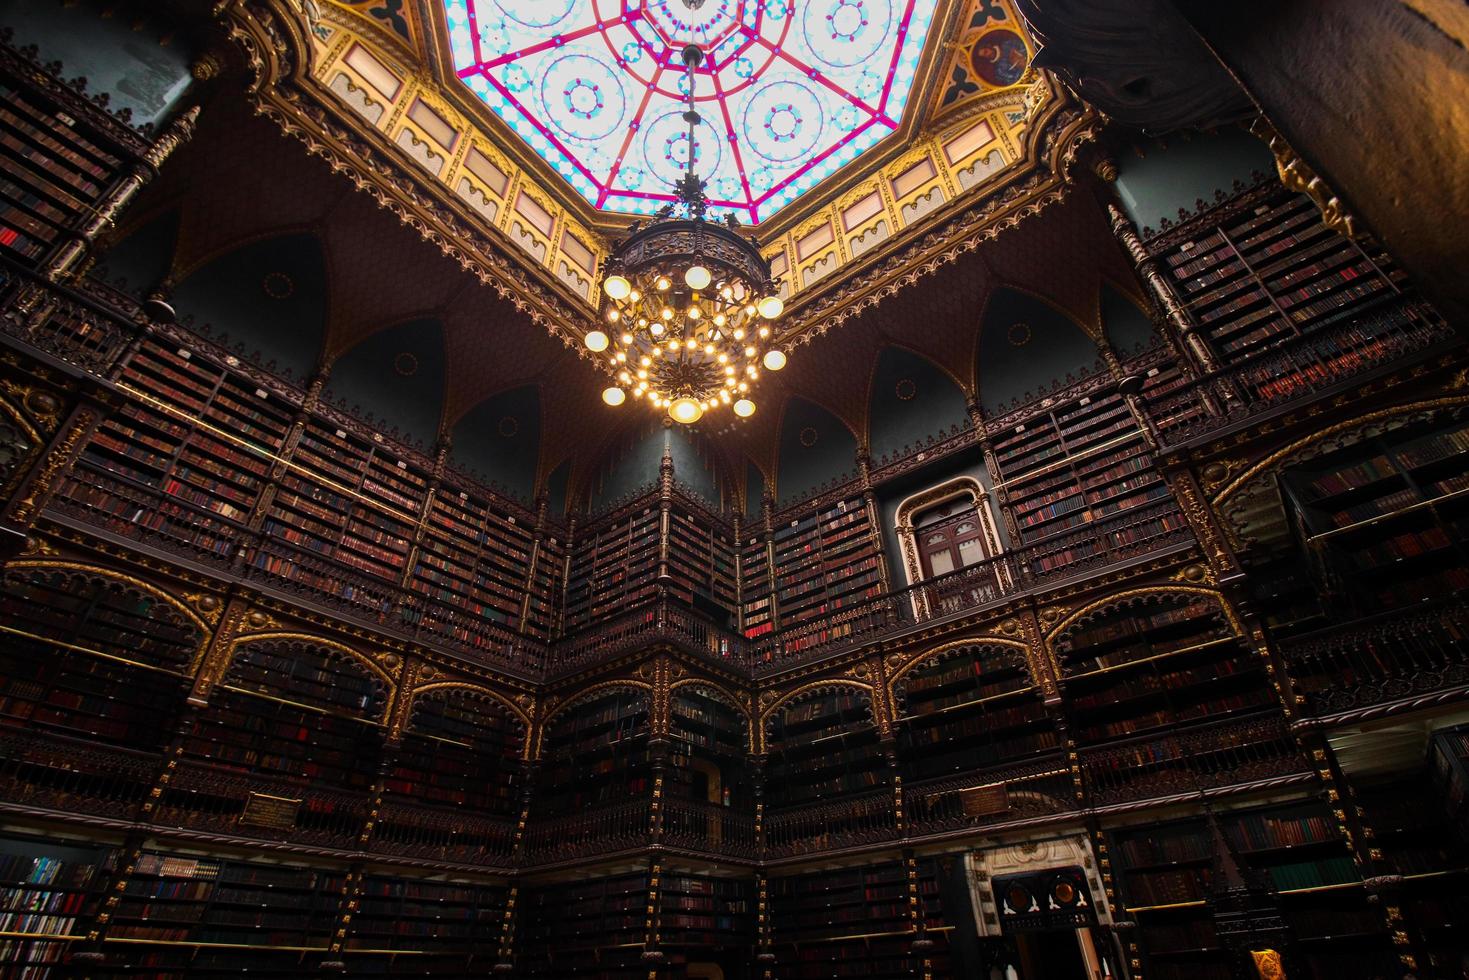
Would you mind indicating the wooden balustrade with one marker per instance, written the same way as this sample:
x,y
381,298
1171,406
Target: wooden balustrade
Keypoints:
x,y
61,773
865,819
1191,760
207,798
1037,788
597,829
441,835
709,827
1391,657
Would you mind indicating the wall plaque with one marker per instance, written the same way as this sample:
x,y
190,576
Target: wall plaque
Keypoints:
x,y
274,812
985,801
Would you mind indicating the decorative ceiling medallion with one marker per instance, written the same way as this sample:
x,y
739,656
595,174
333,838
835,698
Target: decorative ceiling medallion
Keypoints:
x,y
809,436
508,427
793,89
905,389
1018,334
278,285
1000,58
405,364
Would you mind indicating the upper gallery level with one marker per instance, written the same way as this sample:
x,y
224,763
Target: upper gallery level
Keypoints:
x,y
999,431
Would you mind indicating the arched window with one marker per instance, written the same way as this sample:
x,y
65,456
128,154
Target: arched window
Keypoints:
x,y
950,535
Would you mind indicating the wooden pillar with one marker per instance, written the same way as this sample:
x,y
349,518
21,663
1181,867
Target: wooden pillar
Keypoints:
x,y
37,487
874,520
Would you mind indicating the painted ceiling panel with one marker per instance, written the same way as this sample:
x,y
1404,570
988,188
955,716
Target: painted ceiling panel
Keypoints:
x,y
790,91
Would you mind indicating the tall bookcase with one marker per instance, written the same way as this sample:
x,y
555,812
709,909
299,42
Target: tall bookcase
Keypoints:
x,y
757,602
704,918
614,565
1081,461
974,715
595,754
1178,699
455,781
854,922
184,459
187,916
595,928
824,567
1271,271
1167,872
59,165
92,678
296,722
1386,521
701,559
426,926
48,888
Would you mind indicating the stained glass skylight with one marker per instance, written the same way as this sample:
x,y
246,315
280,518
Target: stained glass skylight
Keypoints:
x,y
790,90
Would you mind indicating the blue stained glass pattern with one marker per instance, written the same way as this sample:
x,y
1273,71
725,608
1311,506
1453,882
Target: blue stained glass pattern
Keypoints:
x,y
790,90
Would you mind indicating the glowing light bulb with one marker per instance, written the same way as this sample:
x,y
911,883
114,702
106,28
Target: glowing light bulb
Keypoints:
x,y
614,396
771,307
626,339
667,313
709,349
686,410
596,341
634,296
738,334
613,316
774,360
617,288
720,319
744,408
656,330
764,331
697,277
664,283
750,352
624,377
645,360
694,313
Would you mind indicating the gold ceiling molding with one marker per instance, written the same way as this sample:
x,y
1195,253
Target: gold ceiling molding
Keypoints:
x,y
425,152
1058,130
275,43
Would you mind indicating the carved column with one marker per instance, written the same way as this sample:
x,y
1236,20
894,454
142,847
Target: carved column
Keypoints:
x,y
997,481
764,949
179,132
37,487
874,522
767,514
652,956
537,546
665,513
506,953
1176,314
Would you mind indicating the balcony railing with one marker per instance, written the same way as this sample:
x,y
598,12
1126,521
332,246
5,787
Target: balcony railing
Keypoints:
x,y
701,826
57,772
1362,341
1192,760
1038,788
614,827
1394,656
850,822
413,830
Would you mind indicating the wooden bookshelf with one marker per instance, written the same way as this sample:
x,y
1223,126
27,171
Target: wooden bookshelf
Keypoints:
x,y
460,751
1270,271
289,721
1080,461
48,891
828,780
590,928
702,913
1166,874
1153,665
852,922
701,560
595,754
1386,521
614,565
757,607
57,170
459,919
825,568
972,709
92,679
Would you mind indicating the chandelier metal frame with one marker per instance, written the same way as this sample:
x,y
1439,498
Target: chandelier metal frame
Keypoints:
x,y
689,308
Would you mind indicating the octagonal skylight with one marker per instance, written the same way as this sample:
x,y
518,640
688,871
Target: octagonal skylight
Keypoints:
x,y
790,90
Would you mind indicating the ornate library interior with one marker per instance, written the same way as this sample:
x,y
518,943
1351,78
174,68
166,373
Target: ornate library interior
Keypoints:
x,y
734,489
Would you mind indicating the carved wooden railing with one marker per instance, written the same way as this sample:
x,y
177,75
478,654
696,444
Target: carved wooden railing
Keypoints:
x,y
660,621
1395,656
850,822
613,827
62,323
212,800
1371,338
1202,757
56,772
414,830
709,827
1035,788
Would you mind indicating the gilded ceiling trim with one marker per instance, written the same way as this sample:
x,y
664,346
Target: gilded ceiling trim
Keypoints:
x,y
274,44
1059,134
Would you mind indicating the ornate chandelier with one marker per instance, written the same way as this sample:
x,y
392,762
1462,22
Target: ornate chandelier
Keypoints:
x,y
689,309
